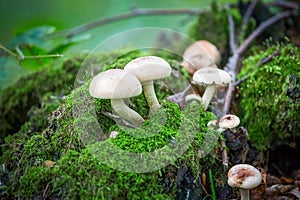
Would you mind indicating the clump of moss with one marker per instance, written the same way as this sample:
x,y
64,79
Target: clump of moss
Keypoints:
x,y
269,98
38,94
73,143
18,99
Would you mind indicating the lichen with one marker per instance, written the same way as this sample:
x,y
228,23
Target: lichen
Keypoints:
x,y
269,99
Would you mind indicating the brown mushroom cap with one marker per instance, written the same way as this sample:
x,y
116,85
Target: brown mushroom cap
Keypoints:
x,y
211,49
200,54
229,121
115,84
244,176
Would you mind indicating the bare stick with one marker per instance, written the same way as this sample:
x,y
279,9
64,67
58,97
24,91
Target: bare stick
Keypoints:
x,y
261,62
20,56
231,34
8,51
284,4
133,13
233,60
248,12
261,28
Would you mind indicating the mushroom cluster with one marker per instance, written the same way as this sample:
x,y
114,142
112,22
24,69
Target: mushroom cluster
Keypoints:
x,y
137,76
200,59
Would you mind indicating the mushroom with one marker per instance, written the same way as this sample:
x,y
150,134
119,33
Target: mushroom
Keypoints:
x,y
113,134
117,84
200,54
147,69
211,77
229,122
192,97
245,177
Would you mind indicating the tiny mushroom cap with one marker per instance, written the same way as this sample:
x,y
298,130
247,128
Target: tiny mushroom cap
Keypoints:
x,y
213,123
229,121
147,69
117,84
113,134
210,77
200,54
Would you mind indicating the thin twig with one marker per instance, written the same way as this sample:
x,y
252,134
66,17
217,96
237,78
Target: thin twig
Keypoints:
x,y
249,12
284,4
179,98
231,34
133,13
233,60
260,63
118,119
43,56
20,56
261,28
20,53
8,51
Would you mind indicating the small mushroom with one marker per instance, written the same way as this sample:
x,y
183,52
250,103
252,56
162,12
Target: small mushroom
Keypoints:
x,y
113,134
210,77
212,123
200,54
192,98
245,177
117,84
229,122
147,69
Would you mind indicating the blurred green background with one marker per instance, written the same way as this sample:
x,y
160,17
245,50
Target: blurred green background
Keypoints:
x,y
17,16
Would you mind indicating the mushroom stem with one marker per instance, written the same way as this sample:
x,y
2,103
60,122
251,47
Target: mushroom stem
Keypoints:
x,y
125,112
244,194
208,95
150,95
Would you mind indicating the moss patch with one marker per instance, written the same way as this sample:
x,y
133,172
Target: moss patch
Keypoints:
x,y
180,139
17,100
269,98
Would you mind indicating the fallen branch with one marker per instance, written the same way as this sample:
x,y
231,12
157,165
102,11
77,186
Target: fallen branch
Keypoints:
x,y
261,62
131,14
233,60
20,56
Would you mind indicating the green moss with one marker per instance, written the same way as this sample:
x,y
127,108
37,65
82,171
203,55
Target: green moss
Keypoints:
x,y
269,100
17,100
79,147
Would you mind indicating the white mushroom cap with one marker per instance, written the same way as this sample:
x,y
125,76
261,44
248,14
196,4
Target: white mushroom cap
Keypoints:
x,y
115,84
211,76
229,121
149,68
244,176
